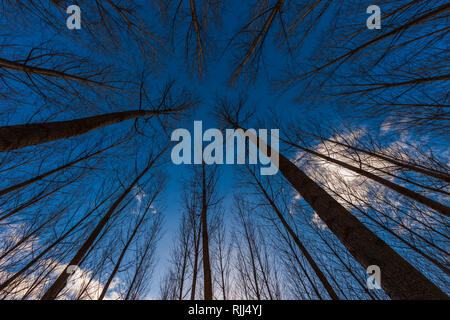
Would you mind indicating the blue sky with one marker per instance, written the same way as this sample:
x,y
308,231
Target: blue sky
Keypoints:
x,y
260,91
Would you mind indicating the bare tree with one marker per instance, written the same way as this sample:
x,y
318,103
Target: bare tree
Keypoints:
x,y
365,246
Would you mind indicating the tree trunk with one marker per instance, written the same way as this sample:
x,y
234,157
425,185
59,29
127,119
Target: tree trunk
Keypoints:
x,y
428,172
46,250
196,253
207,282
60,282
125,249
400,280
13,65
49,173
439,207
21,136
297,241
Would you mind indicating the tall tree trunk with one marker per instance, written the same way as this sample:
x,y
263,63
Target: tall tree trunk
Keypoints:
x,y
49,173
50,247
409,166
207,282
125,249
183,273
439,207
196,253
21,136
400,280
407,243
251,249
297,241
36,199
412,23
60,282
259,37
13,65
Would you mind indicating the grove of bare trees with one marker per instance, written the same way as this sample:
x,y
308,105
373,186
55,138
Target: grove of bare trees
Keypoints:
x,y
92,207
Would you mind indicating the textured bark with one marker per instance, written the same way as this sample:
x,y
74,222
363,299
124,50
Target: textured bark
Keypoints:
x,y
418,20
21,136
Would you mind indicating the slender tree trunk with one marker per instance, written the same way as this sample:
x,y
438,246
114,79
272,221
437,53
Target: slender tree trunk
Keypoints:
x,y
49,173
124,250
297,241
184,266
400,280
36,199
410,245
428,172
346,266
207,282
50,247
248,238
195,22
30,234
412,23
302,267
260,37
13,65
21,136
60,282
195,267
439,207
183,272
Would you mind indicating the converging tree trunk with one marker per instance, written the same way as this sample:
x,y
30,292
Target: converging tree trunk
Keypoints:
x,y
400,279
60,282
207,282
51,172
402,164
439,207
21,136
126,246
297,241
